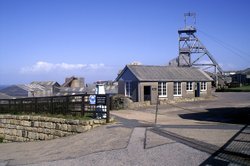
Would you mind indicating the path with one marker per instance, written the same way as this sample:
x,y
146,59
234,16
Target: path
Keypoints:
x,y
169,153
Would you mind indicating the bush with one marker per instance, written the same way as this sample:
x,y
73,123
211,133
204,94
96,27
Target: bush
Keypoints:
x,y
238,89
118,102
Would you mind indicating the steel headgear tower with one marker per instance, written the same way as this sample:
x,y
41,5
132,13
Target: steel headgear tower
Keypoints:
x,y
192,52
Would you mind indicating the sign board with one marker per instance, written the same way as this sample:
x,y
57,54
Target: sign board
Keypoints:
x,y
154,89
101,100
92,99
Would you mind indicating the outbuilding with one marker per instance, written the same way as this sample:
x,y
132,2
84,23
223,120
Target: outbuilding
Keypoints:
x,y
146,83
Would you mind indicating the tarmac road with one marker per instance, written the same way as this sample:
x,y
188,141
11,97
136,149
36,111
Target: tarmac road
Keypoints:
x,y
212,132
170,153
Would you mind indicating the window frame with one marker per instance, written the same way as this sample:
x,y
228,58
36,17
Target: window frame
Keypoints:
x,y
127,92
161,89
178,88
189,86
203,86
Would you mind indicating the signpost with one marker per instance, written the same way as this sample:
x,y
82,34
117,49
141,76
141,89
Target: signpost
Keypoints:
x,y
156,111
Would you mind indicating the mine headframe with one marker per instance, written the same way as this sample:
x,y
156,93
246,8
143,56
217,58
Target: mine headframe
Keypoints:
x,y
193,53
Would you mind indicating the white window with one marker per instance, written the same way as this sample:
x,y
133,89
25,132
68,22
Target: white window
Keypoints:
x,y
128,88
189,86
203,86
177,88
162,89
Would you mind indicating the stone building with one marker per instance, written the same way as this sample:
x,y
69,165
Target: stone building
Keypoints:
x,y
43,88
72,85
146,83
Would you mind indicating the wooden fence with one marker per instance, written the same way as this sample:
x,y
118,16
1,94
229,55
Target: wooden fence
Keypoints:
x,y
97,105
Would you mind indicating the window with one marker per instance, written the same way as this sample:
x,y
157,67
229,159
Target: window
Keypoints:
x,y
189,86
128,88
203,86
177,88
162,89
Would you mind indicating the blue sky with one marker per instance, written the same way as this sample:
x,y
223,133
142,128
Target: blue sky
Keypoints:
x,y
44,40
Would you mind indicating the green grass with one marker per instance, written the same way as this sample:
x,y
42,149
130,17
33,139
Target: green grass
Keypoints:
x,y
1,140
238,89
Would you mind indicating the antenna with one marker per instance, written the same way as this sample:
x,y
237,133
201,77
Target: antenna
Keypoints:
x,y
190,20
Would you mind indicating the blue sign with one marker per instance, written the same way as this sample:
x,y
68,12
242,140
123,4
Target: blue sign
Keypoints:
x,y
92,99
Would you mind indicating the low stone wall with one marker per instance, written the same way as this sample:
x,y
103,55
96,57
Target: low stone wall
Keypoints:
x,y
178,100
16,128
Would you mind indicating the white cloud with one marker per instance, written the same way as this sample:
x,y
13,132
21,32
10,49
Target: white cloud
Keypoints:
x,y
42,66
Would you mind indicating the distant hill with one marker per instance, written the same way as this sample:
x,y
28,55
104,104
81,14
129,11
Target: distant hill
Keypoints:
x,y
15,91
3,86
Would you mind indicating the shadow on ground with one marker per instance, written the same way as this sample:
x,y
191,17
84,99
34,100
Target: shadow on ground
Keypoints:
x,y
225,115
237,149
234,152
130,123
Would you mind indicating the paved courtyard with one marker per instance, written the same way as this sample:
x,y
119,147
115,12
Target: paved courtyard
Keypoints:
x,y
211,132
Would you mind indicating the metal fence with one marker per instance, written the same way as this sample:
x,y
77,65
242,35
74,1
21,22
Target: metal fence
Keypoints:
x,y
83,104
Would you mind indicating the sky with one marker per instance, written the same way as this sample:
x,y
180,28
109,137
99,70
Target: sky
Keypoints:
x,y
48,40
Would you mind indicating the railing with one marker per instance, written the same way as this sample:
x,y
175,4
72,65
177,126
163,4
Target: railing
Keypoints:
x,y
83,104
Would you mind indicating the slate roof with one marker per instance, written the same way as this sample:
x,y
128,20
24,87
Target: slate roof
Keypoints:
x,y
31,87
45,83
166,73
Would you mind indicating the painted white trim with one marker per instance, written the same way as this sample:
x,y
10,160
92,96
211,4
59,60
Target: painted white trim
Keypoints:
x,y
161,83
177,89
125,88
189,87
205,86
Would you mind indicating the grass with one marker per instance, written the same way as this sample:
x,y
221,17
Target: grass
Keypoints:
x,y
1,140
238,89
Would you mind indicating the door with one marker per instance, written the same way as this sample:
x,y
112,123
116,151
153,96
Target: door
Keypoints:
x,y
147,93
197,89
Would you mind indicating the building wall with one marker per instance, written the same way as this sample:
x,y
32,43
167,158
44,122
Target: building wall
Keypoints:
x,y
241,78
121,89
134,91
137,89
77,83
128,76
184,92
208,92
170,91
153,89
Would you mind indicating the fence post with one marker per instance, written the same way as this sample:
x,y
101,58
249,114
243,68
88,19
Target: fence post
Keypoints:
x,y
67,105
35,104
82,106
108,109
51,106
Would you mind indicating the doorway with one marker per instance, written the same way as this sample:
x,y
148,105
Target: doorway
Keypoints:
x,y
197,90
147,93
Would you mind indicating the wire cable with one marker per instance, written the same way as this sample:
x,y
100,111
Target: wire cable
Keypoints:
x,y
227,46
